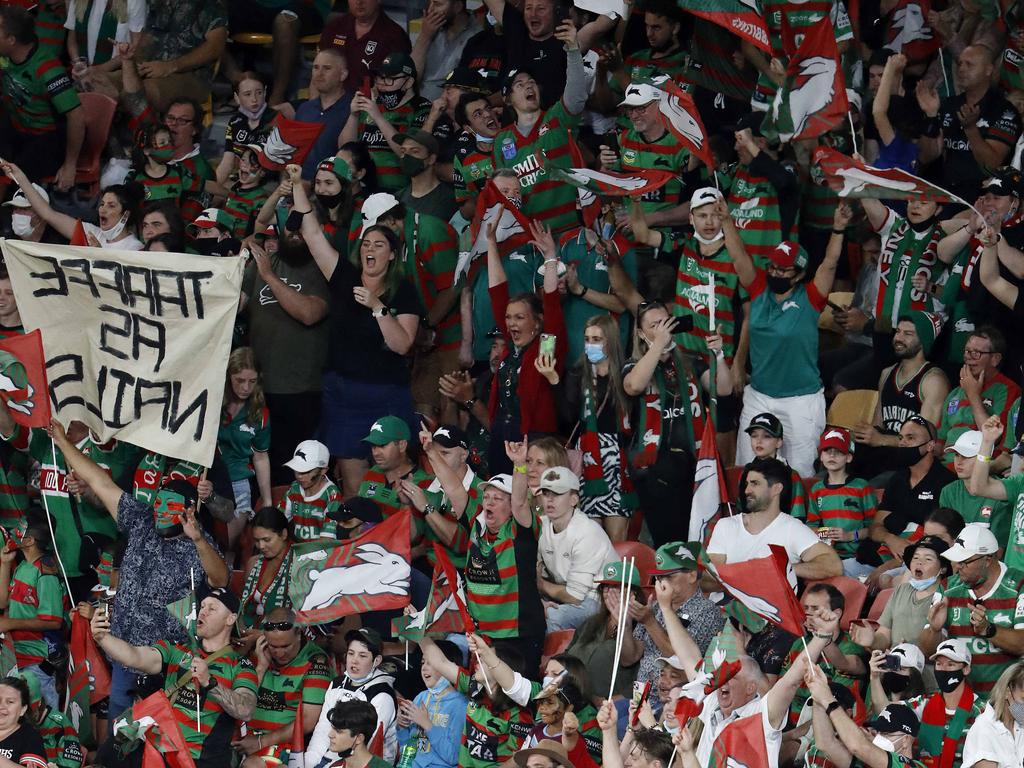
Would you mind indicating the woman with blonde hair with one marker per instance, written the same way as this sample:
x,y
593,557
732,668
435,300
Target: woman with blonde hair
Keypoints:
x,y
244,437
996,740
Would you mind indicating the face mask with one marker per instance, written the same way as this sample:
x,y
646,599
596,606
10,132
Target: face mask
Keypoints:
x,y
883,743
161,155
492,19
253,115
948,680
517,202
389,99
548,680
923,583
108,235
1017,710
922,226
440,686
330,201
779,284
345,754
894,682
595,352
21,224
211,246
411,165
483,139
707,240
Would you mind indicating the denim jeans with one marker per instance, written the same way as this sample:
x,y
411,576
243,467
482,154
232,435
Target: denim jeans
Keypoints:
x,y
569,616
46,685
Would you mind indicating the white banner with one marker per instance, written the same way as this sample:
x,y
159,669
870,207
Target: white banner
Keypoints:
x,y
136,343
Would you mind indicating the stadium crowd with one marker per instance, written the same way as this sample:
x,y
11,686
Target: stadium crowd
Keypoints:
x,y
727,473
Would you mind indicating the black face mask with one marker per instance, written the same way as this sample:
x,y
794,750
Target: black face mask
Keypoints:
x,y
948,679
208,246
905,457
389,99
330,202
779,284
923,226
894,682
345,754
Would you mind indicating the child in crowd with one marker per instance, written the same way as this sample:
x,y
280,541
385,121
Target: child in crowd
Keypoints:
x,y
249,124
152,166
765,432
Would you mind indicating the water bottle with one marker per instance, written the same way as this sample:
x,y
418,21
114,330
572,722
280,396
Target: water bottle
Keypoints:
x,y
408,755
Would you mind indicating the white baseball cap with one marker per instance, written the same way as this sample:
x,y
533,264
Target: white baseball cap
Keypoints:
x,y
955,649
638,94
910,656
975,539
559,480
672,661
20,201
502,482
309,455
704,196
375,206
967,445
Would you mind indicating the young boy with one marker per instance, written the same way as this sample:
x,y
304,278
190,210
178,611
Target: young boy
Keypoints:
x,y
841,508
765,432
353,723
313,501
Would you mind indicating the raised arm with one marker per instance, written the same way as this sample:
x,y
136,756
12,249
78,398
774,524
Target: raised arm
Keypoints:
x,y
449,670
574,96
880,106
988,270
981,483
59,221
682,644
744,265
323,253
138,657
639,378
87,470
825,275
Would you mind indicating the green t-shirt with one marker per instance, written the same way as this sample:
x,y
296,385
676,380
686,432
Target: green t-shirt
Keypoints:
x,y
239,438
1014,557
307,676
977,509
36,91
958,417
33,594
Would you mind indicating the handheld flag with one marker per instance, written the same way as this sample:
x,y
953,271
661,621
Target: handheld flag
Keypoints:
x,y
289,142
298,743
370,573
78,236
445,611
722,660
185,610
513,228
23,379
152,723
852,178
812,99
612,184
85,654
709,489
763,585
679,114
741,744
744,18
909,32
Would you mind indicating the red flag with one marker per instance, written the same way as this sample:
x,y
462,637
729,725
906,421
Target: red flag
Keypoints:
x,y
289,142
741,744
455,584
852,178
685,709
709,489
23,379
163,739
763,586
298,730
86,655
513,228
630,183
445,611
78,237
680,115
744,18
909,32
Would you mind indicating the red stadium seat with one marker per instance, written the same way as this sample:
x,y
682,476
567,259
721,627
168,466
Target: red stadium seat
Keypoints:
x,y
99,114
855,593
554,644
277,493
879,605
643,554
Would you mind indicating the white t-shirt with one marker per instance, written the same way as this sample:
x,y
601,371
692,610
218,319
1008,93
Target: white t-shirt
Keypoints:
x,y
135,23
576,555
989,739
715,722
732,539
130,243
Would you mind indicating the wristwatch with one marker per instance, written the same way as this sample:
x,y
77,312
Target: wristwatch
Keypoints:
x,y
989,633
384,309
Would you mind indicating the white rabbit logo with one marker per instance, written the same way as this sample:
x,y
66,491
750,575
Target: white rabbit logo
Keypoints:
x,y
380,572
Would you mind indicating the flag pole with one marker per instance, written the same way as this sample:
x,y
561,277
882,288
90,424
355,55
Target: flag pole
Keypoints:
x,y
49,521
195,607
942,67
620,615
713,361
807,651
853,132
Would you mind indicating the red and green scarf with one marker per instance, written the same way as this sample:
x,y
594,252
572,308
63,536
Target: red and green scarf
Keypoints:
x,y
923,258
649,426
274,596
594,482
939,736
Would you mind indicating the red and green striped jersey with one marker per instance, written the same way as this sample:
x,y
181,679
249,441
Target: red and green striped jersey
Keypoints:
x,y
957,417
277,700
850,506
490,737
243,205
309,515
499,600
818,201
406,117
846,646
691,277
195,171
216,727
1004,607
711,63
472,168
166,187
798,495
33,594
457,548
50,28
434,246
36,91
376,488
63,747
548,145
14,472
664,154
644,66
754,205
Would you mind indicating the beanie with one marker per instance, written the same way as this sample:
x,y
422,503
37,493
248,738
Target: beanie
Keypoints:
x,y
927,325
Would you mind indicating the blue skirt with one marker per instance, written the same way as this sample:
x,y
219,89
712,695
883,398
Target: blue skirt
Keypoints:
x,y
350,407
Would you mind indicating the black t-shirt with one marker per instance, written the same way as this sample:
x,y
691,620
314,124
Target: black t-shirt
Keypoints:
x,y
545,59
24,746
912,505
357,349
485,54
997,121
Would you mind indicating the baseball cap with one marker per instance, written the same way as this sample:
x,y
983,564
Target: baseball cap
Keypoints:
x,y
359,508
769,422
464,77
1003,182
387,429
369,637
954,649
704,196
422,138
751,120
675,556
450,436
395,65
309,455
910,656
639,94
501,482
612,574
337,166
896,718
510,77
559,480
228,598
209,218
20,201
376,205
967,445
788,254
672,661
975,539
836,437
548,748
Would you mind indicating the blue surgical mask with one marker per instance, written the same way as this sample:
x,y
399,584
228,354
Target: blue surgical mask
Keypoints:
x,y
922,583
595,352
440,686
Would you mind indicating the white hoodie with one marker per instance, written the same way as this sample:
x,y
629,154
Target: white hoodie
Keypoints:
x,y
378,688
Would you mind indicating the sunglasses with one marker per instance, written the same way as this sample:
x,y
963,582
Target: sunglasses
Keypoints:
x,y
278,626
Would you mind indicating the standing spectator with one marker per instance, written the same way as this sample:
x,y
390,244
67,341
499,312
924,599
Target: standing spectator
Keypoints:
x,y
433,721
312,502
42,127
331,106
665,56
997,736
250,123
974,509
474,148
425,194
447,27
365,36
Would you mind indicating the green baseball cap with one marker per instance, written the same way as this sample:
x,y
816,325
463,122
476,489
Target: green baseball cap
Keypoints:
x,y
745,617
387,429
675,556
611,574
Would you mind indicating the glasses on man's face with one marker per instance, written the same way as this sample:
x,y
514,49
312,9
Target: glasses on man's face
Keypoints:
x,y
277,626
177,120
972,560
973,354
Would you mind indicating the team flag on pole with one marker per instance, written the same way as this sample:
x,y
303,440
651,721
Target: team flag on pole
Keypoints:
x,y
709,489
289,142
513,228
812,99
23,379
763,585
852,178
445,611
679,114
744,18
909,31
741,743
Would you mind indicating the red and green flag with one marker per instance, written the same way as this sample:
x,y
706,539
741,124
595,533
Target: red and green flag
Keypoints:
x,y
445,611
613,184
289,141
909,32
369,573
680,116
762,584
512,232
850,177
23,379
741,744
744,18
89,682
151,723
8,658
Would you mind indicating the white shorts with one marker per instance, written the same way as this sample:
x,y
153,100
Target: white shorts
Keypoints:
x,y
803,421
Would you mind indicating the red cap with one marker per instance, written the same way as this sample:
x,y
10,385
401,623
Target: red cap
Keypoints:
x,y
835,437
788,254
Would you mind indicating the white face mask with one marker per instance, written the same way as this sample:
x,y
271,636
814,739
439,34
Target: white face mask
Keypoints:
x,y
109,235
21,224
883,743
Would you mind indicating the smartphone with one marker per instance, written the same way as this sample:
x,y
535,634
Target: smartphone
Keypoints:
x,y
869,623
936,598
892,662
836,307
364,89
547,344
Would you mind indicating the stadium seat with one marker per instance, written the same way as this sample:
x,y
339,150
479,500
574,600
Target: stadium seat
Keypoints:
x,y
854,592
237,582
643,554
277,493
852,407
554,643
879,605
732,483
99,114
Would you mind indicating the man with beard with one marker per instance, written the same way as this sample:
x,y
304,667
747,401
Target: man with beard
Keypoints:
x,y
666,56
365,36
286,296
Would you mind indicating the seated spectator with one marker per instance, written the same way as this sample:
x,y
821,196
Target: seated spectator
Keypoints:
x,y
250,124
331,106
60,738
890,684
353,725
211,233
268,571
766,440
997,736
248,193
546,754
365,36
996,514
311,502
447,26
151,165
556,706
433,721
162,218
28,225
17,734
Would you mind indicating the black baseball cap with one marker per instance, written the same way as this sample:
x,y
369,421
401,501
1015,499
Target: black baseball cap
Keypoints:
x,y
1004,182
369,637
450,436
395,65
464,77
751,120
769,422
228,598
896,718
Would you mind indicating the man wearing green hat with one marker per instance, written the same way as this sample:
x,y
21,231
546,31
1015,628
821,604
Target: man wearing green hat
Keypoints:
x,y
675,564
